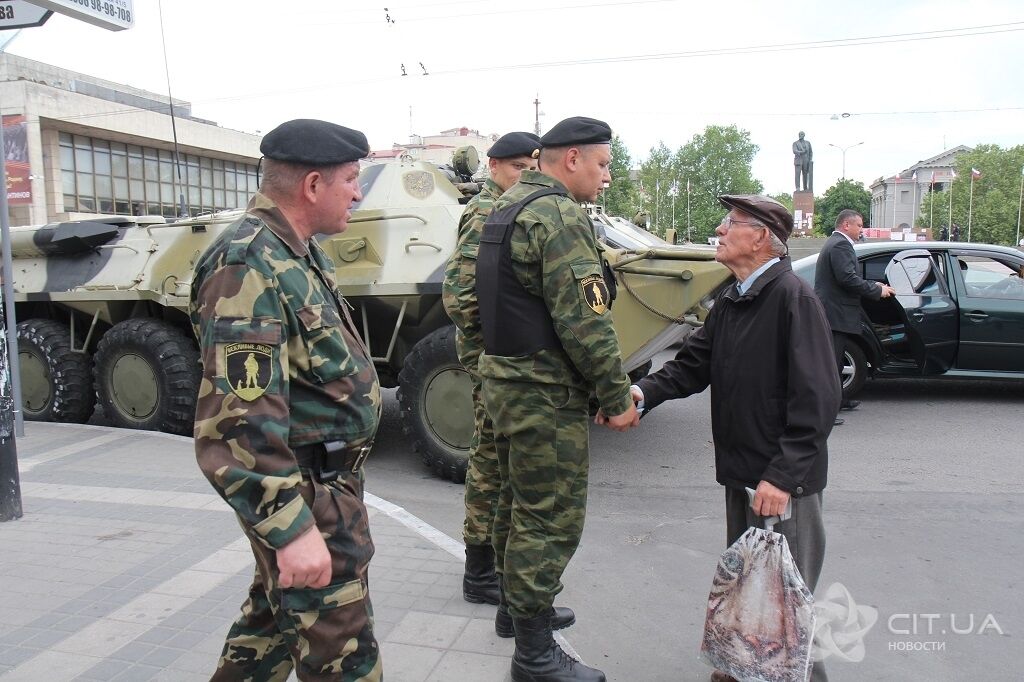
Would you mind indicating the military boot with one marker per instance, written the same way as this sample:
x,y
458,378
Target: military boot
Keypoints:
x,y
480,582
538,658
561,616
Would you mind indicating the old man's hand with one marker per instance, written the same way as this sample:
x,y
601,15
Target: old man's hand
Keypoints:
x,y
769,500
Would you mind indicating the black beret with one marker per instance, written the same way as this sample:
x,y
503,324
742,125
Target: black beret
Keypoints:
x,y
577,130
770,212
313,142
511,145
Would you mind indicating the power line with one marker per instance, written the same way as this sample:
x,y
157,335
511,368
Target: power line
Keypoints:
x,y
761,49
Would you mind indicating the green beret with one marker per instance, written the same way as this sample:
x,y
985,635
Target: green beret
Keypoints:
x,y
314,143
515,144
577,130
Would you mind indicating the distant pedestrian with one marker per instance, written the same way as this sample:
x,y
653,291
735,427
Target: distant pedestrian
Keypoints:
x,y
840,287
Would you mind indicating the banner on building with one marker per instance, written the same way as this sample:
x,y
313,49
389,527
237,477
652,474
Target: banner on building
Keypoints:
x,y
19,183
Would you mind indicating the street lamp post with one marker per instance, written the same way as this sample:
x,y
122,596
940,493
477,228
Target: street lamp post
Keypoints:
x,y
843,150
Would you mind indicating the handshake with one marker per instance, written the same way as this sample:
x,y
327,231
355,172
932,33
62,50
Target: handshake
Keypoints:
x,y
626,420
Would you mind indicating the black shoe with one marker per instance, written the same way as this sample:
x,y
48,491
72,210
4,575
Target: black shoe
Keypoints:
x,y
561,617
480,582
538,658
849,405
838,421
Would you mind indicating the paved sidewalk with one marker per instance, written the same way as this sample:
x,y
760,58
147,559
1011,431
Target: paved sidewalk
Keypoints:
x,y
127,566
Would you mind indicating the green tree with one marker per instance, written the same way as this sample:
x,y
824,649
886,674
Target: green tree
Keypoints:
x,y
784,198
621,197
714,162
993,215
842,195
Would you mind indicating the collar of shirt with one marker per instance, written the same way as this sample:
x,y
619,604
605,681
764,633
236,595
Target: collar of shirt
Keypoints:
x,y
530,177
745,285
848,237
264,208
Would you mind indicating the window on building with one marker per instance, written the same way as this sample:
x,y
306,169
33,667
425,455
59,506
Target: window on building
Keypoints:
x,y
112,177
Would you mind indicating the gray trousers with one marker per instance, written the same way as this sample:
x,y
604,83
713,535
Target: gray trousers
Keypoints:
x,y
804,532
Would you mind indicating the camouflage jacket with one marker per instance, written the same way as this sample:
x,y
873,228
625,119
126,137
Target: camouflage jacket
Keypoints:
x,y
459,290
555,255
282,367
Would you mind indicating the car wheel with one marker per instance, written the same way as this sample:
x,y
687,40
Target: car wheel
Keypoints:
x,y
855,370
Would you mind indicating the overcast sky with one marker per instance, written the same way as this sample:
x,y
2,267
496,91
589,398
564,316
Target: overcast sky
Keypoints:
x,y
250,65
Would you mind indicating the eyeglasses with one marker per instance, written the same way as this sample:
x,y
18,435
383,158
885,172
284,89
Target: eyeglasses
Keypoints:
x,y
729,221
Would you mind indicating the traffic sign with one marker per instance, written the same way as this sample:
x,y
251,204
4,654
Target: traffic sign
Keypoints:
x,y
115,15
21,14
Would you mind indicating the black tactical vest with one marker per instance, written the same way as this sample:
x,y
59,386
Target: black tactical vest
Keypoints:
x,y
515,322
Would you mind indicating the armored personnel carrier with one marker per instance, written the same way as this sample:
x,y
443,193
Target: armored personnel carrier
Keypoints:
x,y
102,306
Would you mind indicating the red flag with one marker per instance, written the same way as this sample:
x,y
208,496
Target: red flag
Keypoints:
x,y
975,173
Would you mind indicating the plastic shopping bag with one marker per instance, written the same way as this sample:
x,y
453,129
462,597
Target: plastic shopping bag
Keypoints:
x,y
760,618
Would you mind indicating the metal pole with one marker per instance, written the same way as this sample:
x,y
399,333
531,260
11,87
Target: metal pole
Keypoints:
x,y
689,237
970,208
10,487
1020,202
951,181
12,322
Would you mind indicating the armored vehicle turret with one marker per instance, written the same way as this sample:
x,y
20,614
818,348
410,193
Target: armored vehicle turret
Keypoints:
x,y
103,307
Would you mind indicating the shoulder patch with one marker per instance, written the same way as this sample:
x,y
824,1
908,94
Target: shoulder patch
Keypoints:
x,y
249,367
595,293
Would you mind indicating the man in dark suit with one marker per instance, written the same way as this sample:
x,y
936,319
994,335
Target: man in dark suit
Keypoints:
x,y
840,287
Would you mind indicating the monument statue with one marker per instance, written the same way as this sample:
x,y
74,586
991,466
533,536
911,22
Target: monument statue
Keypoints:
x,y
803,164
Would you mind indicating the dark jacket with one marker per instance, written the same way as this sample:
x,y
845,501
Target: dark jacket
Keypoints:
x,y
839,286
767,356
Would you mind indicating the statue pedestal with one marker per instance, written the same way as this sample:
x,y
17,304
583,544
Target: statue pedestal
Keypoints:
x,y
803,213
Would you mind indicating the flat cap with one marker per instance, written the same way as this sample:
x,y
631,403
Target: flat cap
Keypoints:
x,y
577,130
515,144
314,142
770,212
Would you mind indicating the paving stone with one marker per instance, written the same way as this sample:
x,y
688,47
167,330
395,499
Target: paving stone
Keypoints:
x,y
459,665
427,629
408,663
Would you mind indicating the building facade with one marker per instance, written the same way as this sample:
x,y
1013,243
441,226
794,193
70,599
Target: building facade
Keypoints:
x,y
896,200
437,148
77,146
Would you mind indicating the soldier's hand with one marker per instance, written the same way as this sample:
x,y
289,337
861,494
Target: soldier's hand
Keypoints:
x,y
305,561
887,291
624,421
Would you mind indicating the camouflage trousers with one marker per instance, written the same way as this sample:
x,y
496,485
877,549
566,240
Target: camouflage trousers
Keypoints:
x,y
541,435
483,479
325,633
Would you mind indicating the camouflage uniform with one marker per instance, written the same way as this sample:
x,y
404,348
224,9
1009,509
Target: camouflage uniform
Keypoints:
x,y
459,296
539,402
261,294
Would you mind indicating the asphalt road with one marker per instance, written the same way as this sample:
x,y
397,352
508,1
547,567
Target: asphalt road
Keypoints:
x,y
919,519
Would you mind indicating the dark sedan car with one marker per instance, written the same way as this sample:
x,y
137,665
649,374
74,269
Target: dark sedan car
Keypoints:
x,y
958,311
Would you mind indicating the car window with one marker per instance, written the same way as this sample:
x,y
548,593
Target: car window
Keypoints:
x,y
990,278
924,280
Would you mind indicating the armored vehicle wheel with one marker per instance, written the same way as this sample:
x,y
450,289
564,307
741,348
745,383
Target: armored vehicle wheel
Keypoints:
x,y
56,382
147,376
437,405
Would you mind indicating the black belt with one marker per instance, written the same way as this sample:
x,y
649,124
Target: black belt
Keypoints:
x,y
332,459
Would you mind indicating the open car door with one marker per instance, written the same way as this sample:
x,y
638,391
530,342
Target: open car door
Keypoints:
x,y
929,312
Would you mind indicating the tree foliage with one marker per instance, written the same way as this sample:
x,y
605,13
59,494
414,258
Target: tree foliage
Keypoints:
x,y
621,197
993,214
714,162
842,195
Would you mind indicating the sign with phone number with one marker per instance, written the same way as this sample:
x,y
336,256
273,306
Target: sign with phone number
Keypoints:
x,y
115,15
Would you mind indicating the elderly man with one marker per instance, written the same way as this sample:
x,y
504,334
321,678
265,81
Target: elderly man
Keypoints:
x,y
765,351
548,342
840,287
286,449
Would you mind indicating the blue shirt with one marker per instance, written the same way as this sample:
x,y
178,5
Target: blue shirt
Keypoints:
x,y
745,285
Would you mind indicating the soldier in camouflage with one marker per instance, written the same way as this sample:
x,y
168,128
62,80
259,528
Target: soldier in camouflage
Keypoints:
x,y
287,408
548,343
508,157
